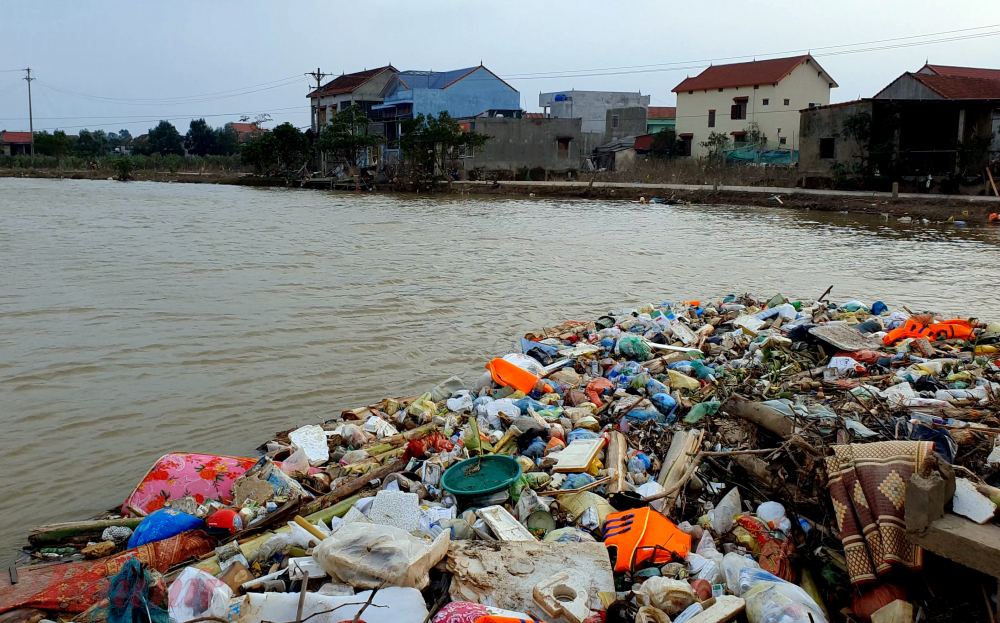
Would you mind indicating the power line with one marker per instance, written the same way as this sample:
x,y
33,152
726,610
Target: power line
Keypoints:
x,y
189,100
728,58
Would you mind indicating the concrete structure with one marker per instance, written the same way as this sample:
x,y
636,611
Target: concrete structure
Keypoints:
x,y
622,122
921,117
15,143
822,144
590,106
363,88
661,118
461,93
520,145
728,98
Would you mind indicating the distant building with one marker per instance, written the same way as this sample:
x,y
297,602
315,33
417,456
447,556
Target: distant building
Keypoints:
x,y
622,122
661,118
922,115
460,92
728,98
15,143
523,144
363,88
247,131
592,108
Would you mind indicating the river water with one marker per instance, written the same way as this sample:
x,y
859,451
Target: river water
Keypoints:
x,y
139,319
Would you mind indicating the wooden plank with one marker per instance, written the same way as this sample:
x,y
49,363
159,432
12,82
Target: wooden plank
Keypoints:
x,y
577,456
725,608
617,457
504,525
85,530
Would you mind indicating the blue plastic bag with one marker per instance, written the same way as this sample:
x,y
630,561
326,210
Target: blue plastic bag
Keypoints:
x,y
163,524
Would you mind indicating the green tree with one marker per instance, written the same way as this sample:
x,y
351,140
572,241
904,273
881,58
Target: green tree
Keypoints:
x,y
347,134
285,148
664,144
101,142
56,144
123,166
200,138
227,141
430,144
165,139
716,144
85,144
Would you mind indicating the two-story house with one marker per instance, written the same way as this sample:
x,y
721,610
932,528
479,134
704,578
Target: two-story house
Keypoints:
x,y
728,98
363,88
460,92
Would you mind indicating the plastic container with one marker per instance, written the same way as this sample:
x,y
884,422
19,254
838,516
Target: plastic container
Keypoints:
x,y
495,472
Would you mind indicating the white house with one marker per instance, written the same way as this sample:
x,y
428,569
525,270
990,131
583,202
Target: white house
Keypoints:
x,y
728,98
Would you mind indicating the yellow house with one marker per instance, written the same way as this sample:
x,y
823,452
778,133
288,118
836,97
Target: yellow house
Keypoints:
x,y
728,98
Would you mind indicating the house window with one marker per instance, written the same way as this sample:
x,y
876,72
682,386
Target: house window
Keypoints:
x,y
563,144
782,141
788,102
826,148
765,102
739,109
711,118
686,145
720,90
756,86
614,121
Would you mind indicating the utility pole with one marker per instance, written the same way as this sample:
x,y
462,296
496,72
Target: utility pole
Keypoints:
x,y
318,76
31,116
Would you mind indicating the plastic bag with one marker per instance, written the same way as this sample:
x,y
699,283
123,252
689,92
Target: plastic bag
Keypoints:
x,y
770,598
195,594
461,402
649,489
298,463
732,564
369,556
670,596
352,435
526,363
633,347
163,524
722,516
773,514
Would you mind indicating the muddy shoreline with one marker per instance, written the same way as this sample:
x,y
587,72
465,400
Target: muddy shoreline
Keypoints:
x,y
971,209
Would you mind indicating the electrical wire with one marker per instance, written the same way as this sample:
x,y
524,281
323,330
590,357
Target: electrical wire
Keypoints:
x,y
189,100
775,54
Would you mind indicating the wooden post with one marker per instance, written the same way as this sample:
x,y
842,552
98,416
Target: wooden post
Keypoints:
x,y
990,173
895,190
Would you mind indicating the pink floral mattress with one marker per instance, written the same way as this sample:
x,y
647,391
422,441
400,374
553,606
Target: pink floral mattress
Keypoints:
x,y
203,476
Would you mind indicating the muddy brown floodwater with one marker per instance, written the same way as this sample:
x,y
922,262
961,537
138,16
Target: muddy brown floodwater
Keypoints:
x,y
140,319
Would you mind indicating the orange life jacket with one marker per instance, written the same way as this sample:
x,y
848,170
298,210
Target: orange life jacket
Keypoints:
x,y
944,330
636,536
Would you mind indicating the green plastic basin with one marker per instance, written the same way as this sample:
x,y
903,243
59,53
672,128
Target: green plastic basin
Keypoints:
x,y
496,472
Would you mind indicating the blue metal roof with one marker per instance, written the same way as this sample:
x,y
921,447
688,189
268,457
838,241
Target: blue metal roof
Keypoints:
x,y
432,79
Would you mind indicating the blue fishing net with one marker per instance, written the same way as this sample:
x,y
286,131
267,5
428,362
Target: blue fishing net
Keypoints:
x,y
128,597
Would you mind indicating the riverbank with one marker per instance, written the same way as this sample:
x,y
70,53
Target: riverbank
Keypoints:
x,y
933,207
970,208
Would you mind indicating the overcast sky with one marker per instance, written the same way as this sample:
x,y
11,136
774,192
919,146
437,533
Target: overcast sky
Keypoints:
x,y
116,64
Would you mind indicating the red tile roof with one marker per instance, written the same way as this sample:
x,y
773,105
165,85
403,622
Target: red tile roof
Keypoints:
x,y
533,115
960,88
346,83
661,112
770,71
15,137
644,142
963,72
245,128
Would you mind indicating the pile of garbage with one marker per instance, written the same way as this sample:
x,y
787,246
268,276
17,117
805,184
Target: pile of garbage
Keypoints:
x,y
743,459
